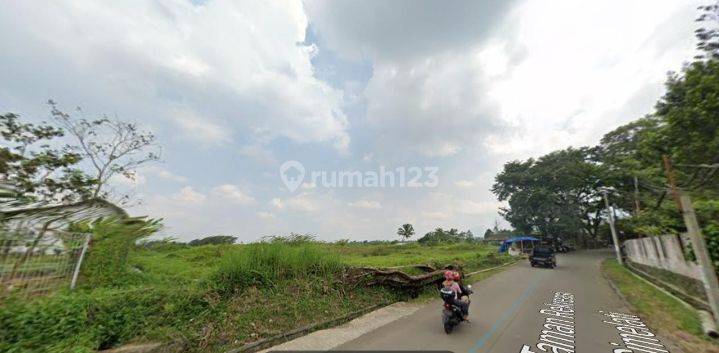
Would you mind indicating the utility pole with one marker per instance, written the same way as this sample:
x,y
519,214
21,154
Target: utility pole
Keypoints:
x,y
672,179
711,285
615,239
636,196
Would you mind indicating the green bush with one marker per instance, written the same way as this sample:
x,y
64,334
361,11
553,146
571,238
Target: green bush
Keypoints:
x,y
265,263
215,240
87,321
708,211
440,235
292,239
112,240
379,251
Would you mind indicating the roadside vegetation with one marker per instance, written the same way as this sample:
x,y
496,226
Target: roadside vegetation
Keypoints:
x,y
639,165
212,297
668,316
209,294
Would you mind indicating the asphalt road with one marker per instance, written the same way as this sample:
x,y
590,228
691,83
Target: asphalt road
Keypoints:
x,y
505,315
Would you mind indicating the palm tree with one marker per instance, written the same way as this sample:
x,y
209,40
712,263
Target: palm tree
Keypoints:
x,y
405,231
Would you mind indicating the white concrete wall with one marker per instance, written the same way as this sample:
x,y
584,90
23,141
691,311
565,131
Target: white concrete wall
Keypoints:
x,y
663,252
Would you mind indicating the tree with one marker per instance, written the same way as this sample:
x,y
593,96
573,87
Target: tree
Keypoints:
x,y
406,231
554,195
488,233
215,240
689,113
39,171
684,127
708,38
440,235
624,153
112,147
559,192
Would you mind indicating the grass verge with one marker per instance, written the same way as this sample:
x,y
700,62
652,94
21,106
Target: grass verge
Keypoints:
x,y
660,311
217,296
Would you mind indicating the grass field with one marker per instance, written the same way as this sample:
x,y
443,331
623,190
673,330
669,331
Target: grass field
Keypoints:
x,y
662,312
218,296
193,263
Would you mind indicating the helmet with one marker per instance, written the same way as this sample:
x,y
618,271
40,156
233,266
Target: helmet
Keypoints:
x,y
456,275
448,275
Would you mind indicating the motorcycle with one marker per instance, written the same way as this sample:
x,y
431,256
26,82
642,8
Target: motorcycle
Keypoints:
x,y
451,313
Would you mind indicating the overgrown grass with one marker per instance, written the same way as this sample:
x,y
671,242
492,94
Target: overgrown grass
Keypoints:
x,y
216,296
88,320
264,264
660,311
388,255
192,264
690,286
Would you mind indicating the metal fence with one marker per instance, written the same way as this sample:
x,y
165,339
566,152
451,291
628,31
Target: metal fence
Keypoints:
x,y
34,262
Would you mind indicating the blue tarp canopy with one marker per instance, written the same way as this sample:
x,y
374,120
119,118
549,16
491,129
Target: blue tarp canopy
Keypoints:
x,y
505,245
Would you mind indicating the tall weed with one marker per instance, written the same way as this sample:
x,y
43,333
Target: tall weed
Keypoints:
x,y
112,241
266,263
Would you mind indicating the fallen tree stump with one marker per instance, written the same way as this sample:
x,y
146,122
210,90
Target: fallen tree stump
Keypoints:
x,y
399,280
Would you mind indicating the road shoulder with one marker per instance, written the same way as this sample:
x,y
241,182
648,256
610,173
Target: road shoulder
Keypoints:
x,y
336,336
668,316
333,337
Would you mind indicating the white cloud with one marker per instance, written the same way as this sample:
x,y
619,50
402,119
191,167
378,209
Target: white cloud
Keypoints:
x,y
170,176
465,183
189,195
436,215
366,204
443,150
435,107
405,29
581,76
266,215
259,154
494,59
477,208
301,202
189,65
427,93
277,203
465,85
367,157
202,130
162,173
308,185
213,70
446,206
232,193
460,80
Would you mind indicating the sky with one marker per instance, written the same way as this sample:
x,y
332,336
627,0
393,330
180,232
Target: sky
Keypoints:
x,y
443,92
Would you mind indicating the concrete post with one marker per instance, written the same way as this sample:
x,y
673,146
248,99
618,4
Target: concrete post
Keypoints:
x,y
711,285
76,273
617,250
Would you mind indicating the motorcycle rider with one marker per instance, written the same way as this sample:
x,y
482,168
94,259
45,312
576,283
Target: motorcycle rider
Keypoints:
x,y
451,284
464,291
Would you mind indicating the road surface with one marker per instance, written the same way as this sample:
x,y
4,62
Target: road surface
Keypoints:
x,y
505,316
